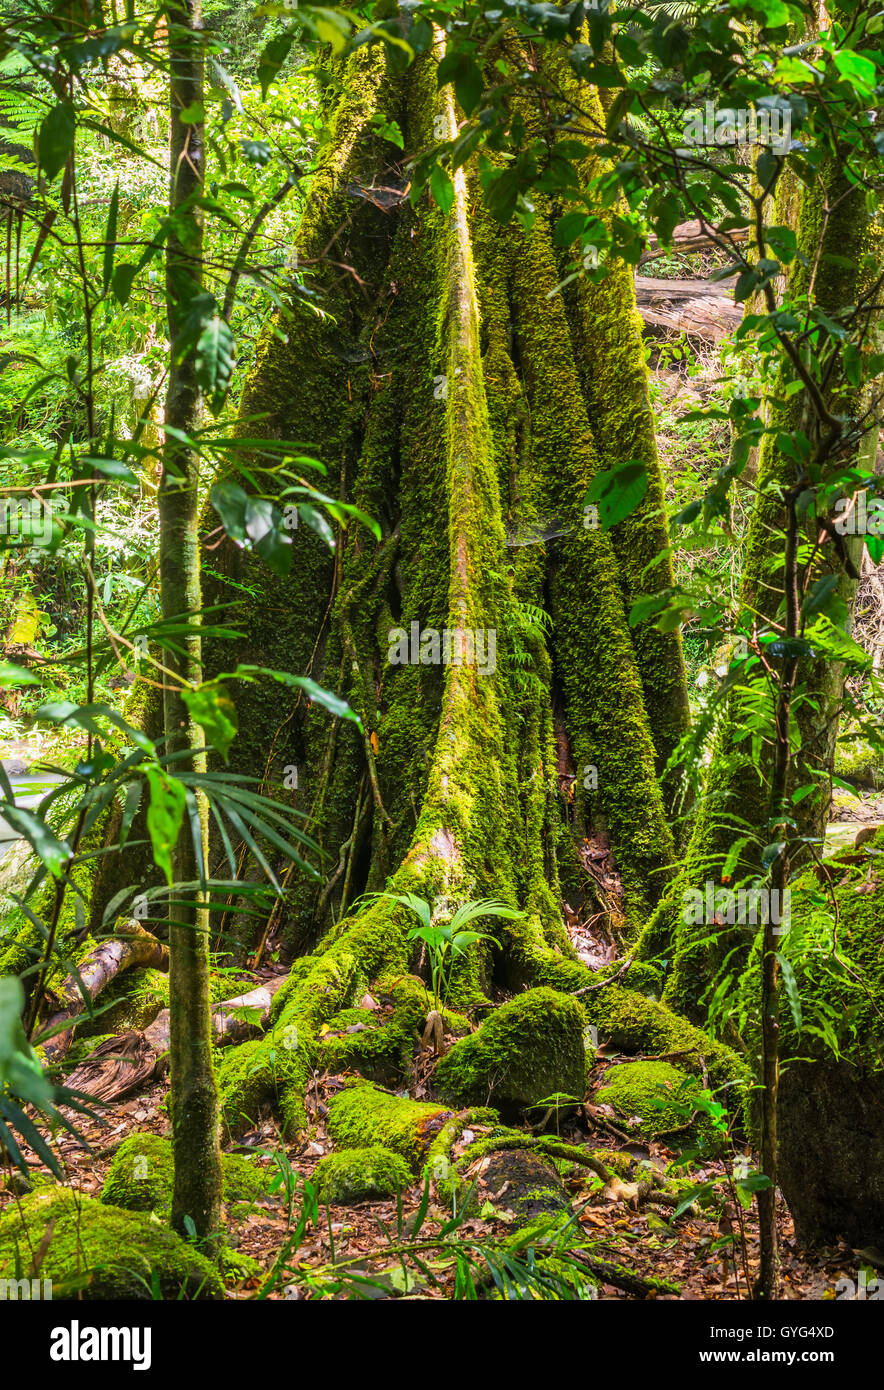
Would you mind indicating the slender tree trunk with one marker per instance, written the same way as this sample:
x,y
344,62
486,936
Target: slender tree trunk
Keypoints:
x,y
197,1191
831,220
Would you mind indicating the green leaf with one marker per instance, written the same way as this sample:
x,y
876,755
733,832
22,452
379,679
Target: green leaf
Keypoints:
x,y
463,70
211,707
332,28
10,674
110,239
165,815
215,355
442,188
618,491
333,703
318,523
53,852
860,72
647,606
230,502
569,228
875,547
272,58
820,595
772,852
122,281
791,987
55,139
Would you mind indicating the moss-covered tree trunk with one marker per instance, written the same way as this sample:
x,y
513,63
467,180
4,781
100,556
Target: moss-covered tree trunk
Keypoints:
x,y
194,1103
454,396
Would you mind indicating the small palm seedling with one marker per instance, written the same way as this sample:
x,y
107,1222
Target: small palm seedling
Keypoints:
x,y
446,939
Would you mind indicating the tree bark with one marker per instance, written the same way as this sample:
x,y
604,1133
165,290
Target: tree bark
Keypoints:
x,y
448,392
197,1190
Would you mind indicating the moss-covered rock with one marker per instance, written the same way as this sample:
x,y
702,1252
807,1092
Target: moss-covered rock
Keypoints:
x,y
529,1049
360,1175
655,1098
377,1045
101,1252
634,1023
265,1069
521,1182
858,762
237,1267
141,1176
361,1116
831,1098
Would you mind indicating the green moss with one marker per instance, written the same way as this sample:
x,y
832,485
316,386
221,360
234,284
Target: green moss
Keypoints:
x,y
141,1176
607,337
604,711
262,1071
383,1046
237,1267
857,761
360,1175
635,1023
654,1098
361,1116
528,1049
521,1181
101,1252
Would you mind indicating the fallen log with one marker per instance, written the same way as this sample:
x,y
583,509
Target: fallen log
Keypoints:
x,y
688,237
131,947
700,308
120,1065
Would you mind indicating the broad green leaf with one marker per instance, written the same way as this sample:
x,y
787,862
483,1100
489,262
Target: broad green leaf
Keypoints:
x,y
53,852
55,139
618,491
165,815
215,355
10,674
211,707
272,58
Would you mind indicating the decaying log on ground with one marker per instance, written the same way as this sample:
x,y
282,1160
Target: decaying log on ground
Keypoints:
x,y
686,238
700,308
133,946
120,1065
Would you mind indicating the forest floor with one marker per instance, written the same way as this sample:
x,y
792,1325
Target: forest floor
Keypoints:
x,y
692,1252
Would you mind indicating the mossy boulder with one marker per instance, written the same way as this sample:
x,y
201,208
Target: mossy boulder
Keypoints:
x,y
101,1252
521,1182
360,1175
634,1023
527,1050
361,1116
858,762
831,1107
377,1043
141,1176
654,1099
